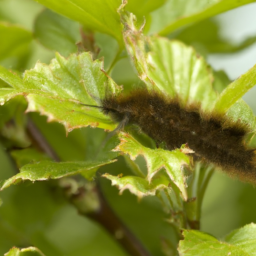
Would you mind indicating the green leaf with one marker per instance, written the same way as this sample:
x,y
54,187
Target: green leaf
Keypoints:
x,y
28,155
3,84
13,123
172,67
7,94
30,251
244,238
23,14
1,201
64,111
10,78
242,113
137,185
56,32
96,15
240,242
143,7
206,36
108,48
50,170
236,90
230,103
156,159
58,90
13,108
14,40
221,81
238,112
199,243
177,13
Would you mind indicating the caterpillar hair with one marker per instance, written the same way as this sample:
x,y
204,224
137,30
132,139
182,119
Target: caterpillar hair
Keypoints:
x,y
213,138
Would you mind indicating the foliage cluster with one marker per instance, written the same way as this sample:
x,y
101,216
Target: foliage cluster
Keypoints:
x,y
47,134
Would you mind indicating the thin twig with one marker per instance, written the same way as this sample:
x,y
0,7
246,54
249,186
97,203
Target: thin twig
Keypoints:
x,y
39,141
108,219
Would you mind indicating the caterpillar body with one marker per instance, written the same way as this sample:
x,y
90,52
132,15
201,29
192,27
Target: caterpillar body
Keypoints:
x,y
213,138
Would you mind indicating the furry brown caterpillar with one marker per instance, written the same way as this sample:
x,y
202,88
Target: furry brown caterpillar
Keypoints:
x,y
213,139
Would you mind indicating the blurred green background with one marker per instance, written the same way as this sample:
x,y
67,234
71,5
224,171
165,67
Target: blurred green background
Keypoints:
x,y
33,214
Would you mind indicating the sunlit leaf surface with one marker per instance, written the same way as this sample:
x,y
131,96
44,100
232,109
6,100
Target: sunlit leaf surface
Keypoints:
x,y
240,242
58,90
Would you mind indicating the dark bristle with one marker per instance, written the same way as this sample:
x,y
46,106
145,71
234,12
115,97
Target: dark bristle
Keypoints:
x,y
214,139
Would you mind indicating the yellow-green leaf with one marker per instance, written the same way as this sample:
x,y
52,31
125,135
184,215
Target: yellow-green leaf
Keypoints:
x,y
157,159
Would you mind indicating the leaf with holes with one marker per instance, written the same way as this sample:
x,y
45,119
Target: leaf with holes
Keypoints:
x,y
58,90
178,72
171,161
139,186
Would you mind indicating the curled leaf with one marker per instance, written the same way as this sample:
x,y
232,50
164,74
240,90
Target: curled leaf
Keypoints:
x,y
30,251
157,159
139,186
